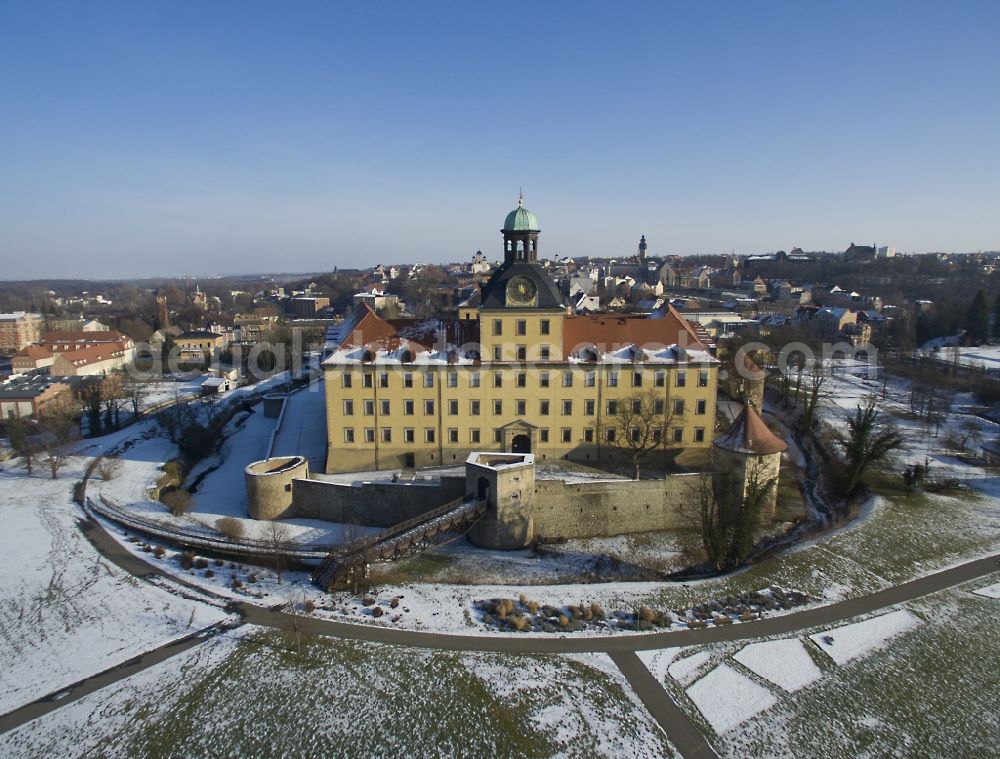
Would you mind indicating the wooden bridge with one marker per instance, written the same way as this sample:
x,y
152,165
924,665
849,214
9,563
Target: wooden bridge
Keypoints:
x,y
406,538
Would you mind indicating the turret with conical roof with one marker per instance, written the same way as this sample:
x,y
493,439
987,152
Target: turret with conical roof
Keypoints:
x,y
748,457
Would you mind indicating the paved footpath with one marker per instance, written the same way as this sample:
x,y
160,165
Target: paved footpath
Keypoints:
x,y
681,732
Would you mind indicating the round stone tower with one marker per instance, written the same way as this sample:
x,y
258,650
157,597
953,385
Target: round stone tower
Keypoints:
x,y
748,456
269,486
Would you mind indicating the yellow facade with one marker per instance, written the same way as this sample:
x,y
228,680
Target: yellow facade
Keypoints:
x,y
386,416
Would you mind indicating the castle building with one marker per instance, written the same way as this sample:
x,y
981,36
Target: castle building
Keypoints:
x,y
517,373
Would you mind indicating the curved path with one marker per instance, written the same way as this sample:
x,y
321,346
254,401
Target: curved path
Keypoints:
x,y
621,648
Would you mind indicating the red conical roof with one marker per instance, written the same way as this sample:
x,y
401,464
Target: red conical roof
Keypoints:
x,y
749,434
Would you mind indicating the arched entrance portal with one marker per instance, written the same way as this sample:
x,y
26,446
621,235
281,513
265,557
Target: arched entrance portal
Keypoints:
x,y
520,444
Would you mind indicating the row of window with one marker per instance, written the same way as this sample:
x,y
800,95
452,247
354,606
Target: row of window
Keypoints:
x,y
521,378
521,327
566,435
521,407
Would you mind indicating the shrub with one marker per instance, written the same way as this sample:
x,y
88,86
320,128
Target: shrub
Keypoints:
x,y
563,620
367,600
187,560
209,573
219,562
523,599
231,527
158,552
201,563
394,603
519,622
504,607
596,610
173,470
147,547
533,607
178,501
377,611
252,578
309,606
646,614
109,468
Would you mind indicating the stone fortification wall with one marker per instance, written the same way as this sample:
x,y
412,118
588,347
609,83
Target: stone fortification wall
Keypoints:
x,y
375,504
595,509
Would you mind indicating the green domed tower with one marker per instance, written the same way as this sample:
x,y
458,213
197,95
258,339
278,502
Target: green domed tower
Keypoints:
x,y
520,234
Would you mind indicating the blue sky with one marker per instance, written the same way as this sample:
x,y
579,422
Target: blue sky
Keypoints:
x,y
199,138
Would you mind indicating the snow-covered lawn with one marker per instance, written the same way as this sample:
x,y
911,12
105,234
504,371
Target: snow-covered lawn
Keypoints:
x,y
857,640
726,698
990,591
786,663
684,670
251,693
65,612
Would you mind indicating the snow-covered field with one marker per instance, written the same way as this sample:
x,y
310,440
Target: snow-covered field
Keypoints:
x,y
251,693
786,663
857,640
726,698
65,612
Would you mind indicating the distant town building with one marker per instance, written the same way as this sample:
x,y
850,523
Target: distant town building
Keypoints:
x,y
22,397
18,329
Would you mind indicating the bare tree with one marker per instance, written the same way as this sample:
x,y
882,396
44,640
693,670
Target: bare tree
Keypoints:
x,y
113,398
815,391
57,433
231,527
135,391
278,541
730,509
173,419
639,425
23,440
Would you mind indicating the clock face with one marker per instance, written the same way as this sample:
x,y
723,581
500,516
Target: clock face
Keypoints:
x,y
520,290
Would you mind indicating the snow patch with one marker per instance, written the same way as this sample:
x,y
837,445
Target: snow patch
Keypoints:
x,y
726,698
857,640
786,663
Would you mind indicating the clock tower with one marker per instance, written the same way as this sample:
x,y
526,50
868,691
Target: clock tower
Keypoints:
x,y
521,308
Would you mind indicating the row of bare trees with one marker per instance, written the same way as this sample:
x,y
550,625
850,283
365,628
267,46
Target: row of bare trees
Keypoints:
x,y
46,441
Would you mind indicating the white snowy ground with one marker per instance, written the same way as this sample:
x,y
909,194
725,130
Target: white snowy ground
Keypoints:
x,y
251,694
303,426
65,612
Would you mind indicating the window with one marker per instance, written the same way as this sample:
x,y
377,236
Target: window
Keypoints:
x,y
544,353
636,379
567,379
678,434
497,353
522,353
700,406
590,379
452,435
658,406
543,379
473,408
522,379
699,435
497,436
543,435
348,434
429,435
497,379
384,408
429,379
543,408
497,407
660,378
521,327
610,434
348,408
520,408
543,326
497,327
567,435
429,408
453,407
407,379
657,435
473,436
369,434
387,434
345,379
679,407
408,408
383,379
612,379
588,435
612,408
452,379
636,406
368,380
588,407
567,408
702,379
681,380
408,435
473,379
369,408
